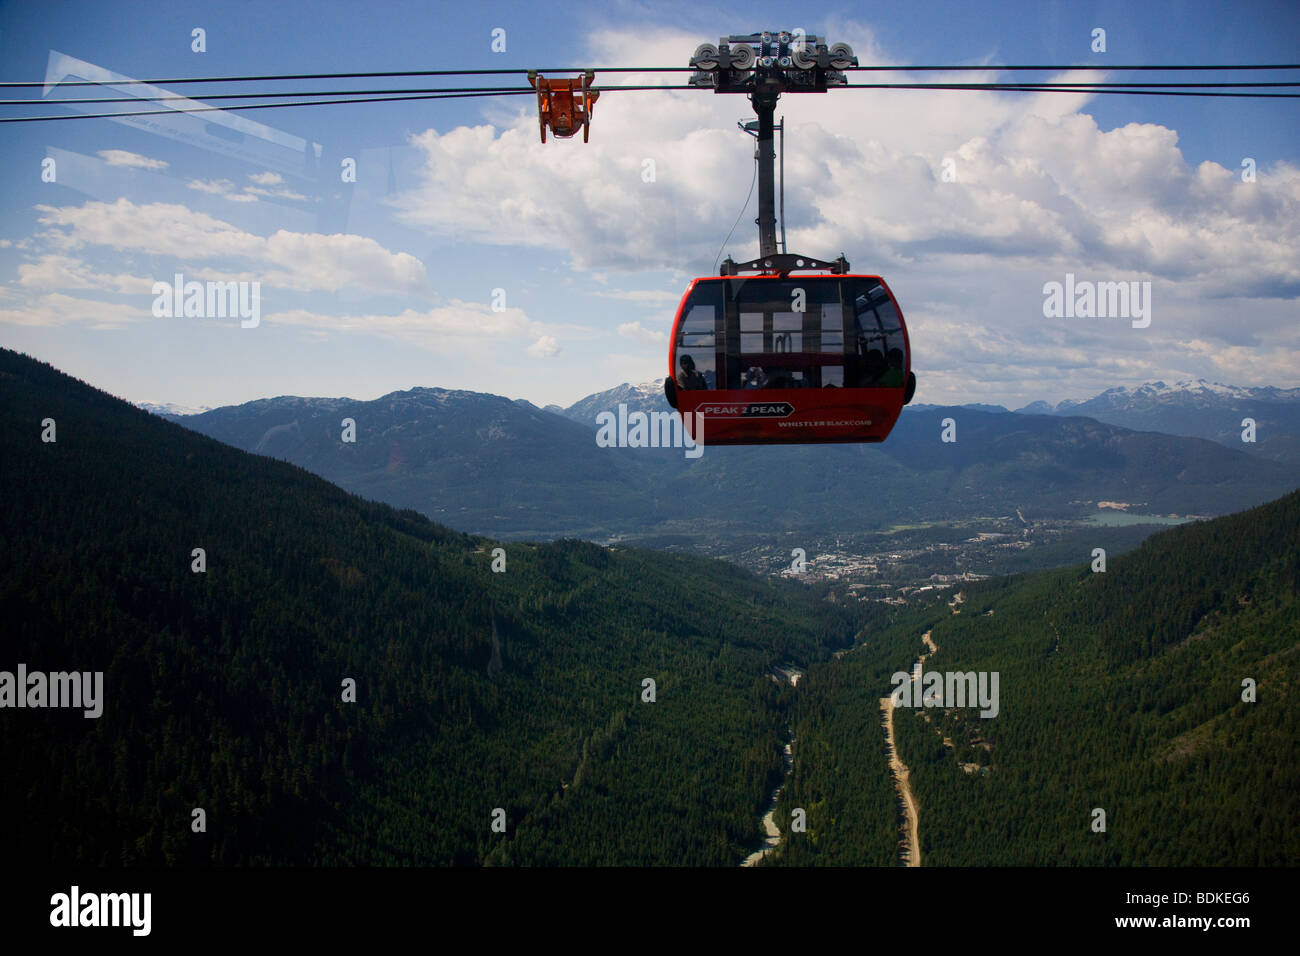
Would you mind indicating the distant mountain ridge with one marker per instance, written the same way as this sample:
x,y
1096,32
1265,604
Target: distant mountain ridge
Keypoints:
x,y
974,406
1201,390
467,459
646,397
172,410
1197,409
491,465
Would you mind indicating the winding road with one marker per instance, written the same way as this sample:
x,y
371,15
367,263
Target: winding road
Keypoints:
x,y
772,833
910,851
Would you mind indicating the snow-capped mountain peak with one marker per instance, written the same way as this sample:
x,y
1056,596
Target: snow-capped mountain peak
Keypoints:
x,y
1191,392
171,408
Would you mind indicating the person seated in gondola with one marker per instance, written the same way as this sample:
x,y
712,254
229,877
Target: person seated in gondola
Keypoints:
x,y
893,376
866,371
689,376
779,378
863,365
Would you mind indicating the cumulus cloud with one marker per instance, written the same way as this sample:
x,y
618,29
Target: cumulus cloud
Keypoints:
x,y
251,192
58,309
270,179
544,347
636,332
293,260
215,186
455,319
120,157
1037,190
464,329
67,272
647,297
1034,177
997,349
225,188
973,200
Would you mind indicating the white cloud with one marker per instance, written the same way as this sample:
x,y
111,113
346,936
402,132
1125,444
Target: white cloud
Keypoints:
x,y
283,193
1040,190
65,272
294,260
215,186
224,187
639,368
470,331
998,352
58,309
1035,179
120,157
455,320
545,347
634,331
647,297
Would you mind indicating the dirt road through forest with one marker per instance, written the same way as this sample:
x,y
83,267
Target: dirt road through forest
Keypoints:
x,y
910,845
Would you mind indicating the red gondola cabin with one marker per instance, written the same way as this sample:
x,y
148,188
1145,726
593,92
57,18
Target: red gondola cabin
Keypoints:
x,y
782,359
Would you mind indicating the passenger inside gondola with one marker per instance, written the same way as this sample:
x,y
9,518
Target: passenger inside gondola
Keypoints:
x,y
781,378
893,376
874,367
865,369
689,376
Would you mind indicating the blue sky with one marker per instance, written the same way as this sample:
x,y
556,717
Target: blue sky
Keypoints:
x,y
390,284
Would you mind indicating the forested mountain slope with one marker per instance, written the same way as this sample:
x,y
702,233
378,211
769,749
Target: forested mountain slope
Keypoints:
x,y
223,690
1120,690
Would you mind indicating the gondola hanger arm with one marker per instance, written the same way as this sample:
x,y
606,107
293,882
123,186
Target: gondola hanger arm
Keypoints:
x,y
564,105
